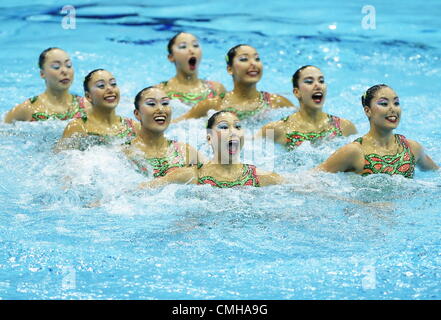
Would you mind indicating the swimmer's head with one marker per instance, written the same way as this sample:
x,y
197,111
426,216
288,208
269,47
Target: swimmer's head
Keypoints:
x,y
172,41
381,105
367,97
87,79
101,89
310,87
42,57
226,136
152,109
244,64
138,96
232,53
214,116
296,75
185,52
56,68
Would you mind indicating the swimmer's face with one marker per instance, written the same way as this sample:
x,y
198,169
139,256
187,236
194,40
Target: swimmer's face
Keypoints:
x,y
246,66
384,110
103,90
57,70
154,110
186,53
226,136
312,88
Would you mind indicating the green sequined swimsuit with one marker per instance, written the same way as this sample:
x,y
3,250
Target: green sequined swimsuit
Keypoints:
x,y
249,178
296,138
162,166
78,110
265,104
402,163
193,98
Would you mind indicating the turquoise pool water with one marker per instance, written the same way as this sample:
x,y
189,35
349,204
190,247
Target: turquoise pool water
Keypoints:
x,y
297,241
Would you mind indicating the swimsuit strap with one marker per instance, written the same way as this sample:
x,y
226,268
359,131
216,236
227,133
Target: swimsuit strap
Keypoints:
x,y
249,178
402,163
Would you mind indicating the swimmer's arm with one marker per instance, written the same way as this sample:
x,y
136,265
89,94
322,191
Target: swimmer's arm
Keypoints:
x,y
187,175
194,157
348,158
272,129
278,101
200,109
348,128
423,161
21,112
220,89
267,178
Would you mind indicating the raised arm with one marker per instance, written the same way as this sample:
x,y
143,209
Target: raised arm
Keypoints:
x,y
278,101
423,161
186,175
200,109
348,128
273,130
267,178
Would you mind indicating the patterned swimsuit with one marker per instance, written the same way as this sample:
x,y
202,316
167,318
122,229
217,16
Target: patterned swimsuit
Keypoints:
x,y
249,178
127,133
193,98
265,104
162,166
402,163
296,138
78,111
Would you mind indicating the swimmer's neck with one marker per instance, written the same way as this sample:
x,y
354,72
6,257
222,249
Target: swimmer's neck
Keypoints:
x,y
154,140
54,96
104,115
381,138
187,78
245,91
310,115
227,163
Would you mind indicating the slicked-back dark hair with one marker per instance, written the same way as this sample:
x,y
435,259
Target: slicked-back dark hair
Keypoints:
x,y
139,95
87,79
43,54
367,97
296,75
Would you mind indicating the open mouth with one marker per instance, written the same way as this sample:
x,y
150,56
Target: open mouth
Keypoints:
x,y
160,119
233,146
110,99
192,63
253,73
392,119
317,97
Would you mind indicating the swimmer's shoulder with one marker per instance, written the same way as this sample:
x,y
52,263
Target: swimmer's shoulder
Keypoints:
x,y
22,111
279,101
75,127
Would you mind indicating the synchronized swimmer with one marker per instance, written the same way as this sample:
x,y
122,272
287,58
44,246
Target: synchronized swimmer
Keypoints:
x,y
93,120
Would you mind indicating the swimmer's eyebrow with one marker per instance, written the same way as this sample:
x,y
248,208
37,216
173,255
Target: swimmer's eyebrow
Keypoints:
x,y
58,61
112,79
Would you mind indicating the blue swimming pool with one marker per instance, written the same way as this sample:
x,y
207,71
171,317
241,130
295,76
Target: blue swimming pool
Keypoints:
x,y
309,239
